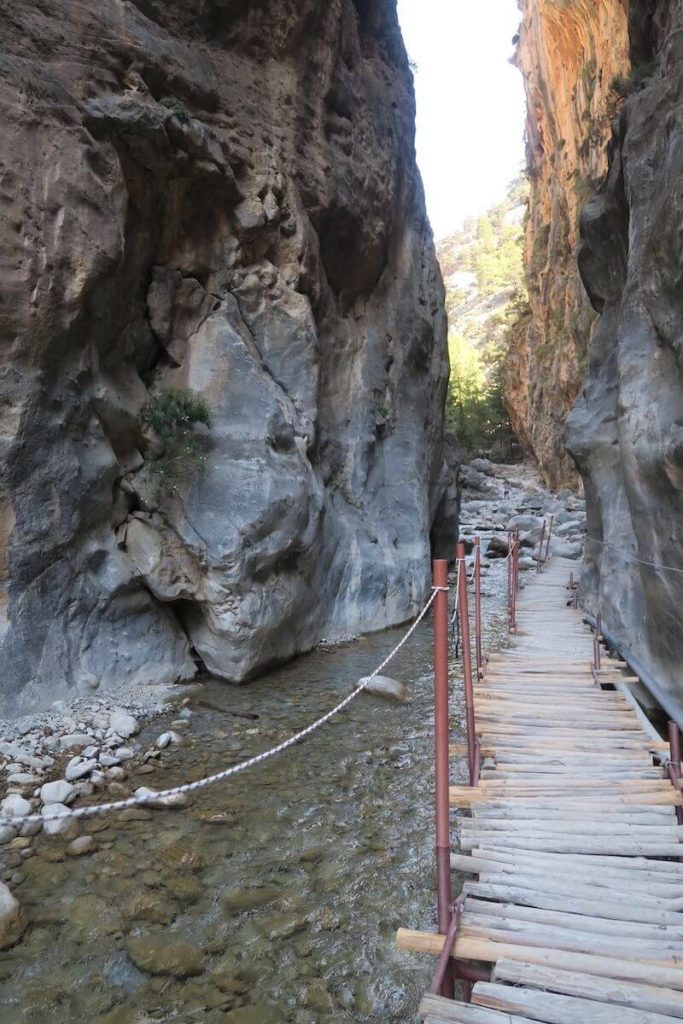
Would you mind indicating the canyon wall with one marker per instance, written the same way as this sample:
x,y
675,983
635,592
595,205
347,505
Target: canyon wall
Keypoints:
x,y
626,430
222,198
569,52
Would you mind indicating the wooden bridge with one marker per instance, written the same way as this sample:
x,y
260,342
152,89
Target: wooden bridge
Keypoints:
x,y
572,912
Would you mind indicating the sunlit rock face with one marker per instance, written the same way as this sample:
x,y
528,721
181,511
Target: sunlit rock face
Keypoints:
x,y
569,52
626,430
220,196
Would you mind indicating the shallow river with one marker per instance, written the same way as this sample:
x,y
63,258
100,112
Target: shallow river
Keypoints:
x,y
278,892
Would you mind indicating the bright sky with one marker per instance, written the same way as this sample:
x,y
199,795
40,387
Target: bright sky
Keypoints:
x,y
470,103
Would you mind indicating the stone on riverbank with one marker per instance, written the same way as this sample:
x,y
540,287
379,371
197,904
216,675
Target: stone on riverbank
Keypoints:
x,y
13,919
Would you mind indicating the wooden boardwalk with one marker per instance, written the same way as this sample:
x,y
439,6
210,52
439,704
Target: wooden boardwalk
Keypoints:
x,y
575,897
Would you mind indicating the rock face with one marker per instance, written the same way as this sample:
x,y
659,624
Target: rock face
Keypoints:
x,y
220,197
626,430
569,53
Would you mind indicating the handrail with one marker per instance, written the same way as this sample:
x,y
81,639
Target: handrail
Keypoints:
x,y
673,709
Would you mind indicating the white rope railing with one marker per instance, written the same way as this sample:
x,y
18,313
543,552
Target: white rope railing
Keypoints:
x,y
154,797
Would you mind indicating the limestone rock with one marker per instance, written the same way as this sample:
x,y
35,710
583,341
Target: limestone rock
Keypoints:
x,y
60,822
626,429
250,217
384,686
569,54
13,919
58,792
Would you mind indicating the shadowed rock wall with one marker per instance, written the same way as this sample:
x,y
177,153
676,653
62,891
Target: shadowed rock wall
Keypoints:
x,y
626,430
221,196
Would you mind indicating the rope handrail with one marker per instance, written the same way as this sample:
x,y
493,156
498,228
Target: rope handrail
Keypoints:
x,y
91,810
633,558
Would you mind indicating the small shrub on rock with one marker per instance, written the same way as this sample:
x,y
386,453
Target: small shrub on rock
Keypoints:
x,y
173,416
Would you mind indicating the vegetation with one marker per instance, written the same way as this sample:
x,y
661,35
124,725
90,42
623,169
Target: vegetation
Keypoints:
x,y
173,415
483,265
639,74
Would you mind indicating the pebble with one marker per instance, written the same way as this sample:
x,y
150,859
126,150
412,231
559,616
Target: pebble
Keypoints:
x,y
79,770
58,792
124,724
15,806
163,741
7,834
31,828
164,954
80,846
178,800
124,753
75,739
115,773
23,779
64,825
109,760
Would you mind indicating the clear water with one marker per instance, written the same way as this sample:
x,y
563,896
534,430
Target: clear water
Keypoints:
x,y
286,883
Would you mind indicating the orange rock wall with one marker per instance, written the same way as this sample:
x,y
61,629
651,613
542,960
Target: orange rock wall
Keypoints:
x,y
569,53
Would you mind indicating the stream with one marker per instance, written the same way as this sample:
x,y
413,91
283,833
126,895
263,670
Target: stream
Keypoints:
x,y
276,895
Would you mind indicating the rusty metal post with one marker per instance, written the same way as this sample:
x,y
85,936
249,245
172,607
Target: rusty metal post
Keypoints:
x,y
598,638
540,548
516,562
675,765
477,608
467,663
441,760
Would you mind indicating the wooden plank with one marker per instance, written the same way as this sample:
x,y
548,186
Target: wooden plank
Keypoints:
x,y
576,921
436,1010
608,990
559,1009
571,899
668,973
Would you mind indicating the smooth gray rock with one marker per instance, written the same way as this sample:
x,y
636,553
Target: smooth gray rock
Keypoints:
x,y
123,724
60,823
266,249
58,792
14,806
13,919
626,429
385,686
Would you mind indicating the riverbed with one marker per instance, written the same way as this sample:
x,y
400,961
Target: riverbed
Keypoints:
x,y
276,894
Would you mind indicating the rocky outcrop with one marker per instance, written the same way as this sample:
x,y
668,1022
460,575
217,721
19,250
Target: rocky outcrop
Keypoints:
x,y
569,53
220,197
626,430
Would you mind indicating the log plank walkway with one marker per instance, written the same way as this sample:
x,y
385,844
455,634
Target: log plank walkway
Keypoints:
x,y
575,897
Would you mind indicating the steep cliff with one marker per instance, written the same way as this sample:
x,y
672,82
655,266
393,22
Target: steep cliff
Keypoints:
x,y
626,430
221,197
569,53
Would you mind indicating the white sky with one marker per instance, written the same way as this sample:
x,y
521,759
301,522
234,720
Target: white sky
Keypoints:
x,y
470,103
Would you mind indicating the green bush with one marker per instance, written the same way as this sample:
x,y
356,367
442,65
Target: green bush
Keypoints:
x,y
173,416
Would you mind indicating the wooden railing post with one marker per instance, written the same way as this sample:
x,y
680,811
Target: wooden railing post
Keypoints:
x,y
509,565
467,662
540,547
550,533
478,639
441,761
